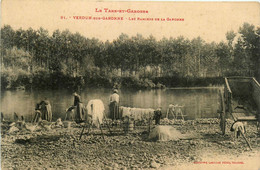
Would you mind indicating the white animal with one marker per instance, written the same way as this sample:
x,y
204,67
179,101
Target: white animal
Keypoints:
x,y
237,128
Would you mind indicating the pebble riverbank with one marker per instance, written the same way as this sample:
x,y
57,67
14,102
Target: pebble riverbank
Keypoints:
x,y
60,148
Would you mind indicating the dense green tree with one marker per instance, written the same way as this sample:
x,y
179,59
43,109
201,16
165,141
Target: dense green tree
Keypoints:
x,y
72,55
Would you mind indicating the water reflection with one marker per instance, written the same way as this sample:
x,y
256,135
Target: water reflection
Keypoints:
x,y
198,103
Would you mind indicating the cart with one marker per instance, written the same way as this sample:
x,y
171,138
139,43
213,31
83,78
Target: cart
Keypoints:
x,y
240,100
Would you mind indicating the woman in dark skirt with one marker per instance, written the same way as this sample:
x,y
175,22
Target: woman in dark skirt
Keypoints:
x,y
80,111
114,105
46,111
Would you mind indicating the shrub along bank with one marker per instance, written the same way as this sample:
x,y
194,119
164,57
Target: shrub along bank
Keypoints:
x,y
43,80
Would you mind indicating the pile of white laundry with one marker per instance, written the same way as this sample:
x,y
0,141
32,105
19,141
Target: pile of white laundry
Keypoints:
x,y
96,109
136,113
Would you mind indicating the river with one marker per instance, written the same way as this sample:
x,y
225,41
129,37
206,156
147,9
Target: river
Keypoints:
x,y
197,102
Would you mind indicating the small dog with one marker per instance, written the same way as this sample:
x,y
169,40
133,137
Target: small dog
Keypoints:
x,y
238,128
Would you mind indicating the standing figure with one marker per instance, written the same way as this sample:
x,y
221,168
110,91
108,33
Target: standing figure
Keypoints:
x,y
157,116
2,117
46,112
80,112
70,113
114,105
38,115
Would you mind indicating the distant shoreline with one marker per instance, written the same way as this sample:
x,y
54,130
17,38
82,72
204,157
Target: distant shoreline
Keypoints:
x,y
195,88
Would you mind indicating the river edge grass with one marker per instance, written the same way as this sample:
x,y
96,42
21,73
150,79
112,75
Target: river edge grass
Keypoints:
x,y
60,81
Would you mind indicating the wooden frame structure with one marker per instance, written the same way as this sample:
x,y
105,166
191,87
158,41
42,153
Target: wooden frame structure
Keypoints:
x,y
175,111
237,92
90,125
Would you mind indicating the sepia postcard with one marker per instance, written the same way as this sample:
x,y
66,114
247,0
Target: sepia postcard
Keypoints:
x,y
119,85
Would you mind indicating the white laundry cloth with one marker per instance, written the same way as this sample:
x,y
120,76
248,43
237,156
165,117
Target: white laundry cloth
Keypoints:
x,y
96,109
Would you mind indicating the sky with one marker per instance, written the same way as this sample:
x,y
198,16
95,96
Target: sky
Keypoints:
x,y
209,20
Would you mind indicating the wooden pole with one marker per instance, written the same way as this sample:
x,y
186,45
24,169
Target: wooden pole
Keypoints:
x,y
222,113
82,131
245,138
167,113
101,129
89,126
34,118
108,126
66,116
149,129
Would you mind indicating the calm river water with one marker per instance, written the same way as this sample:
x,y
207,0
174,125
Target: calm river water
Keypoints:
x,y
198,102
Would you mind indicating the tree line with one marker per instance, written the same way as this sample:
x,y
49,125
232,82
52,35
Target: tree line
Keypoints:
x,y
43,59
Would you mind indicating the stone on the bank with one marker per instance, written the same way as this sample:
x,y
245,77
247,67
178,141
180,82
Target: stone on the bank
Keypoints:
x,y
115,165
59,123
13,129
108,168
154,165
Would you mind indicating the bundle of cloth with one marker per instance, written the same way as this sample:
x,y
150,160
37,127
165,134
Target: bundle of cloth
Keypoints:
x,y
169,133
95,109
136,113
165,133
